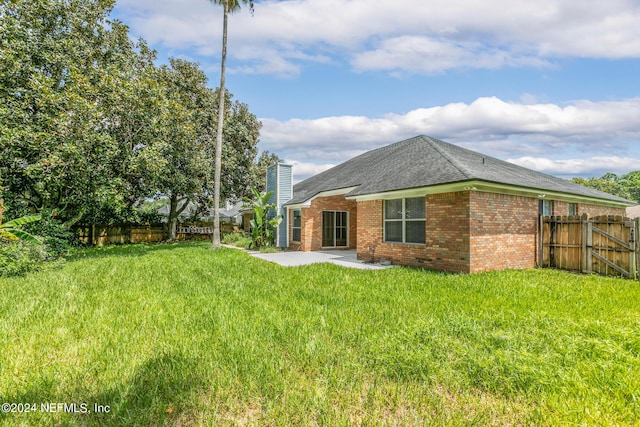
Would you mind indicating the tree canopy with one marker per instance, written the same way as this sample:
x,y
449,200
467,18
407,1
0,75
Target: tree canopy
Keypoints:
x,y
90,126
627,186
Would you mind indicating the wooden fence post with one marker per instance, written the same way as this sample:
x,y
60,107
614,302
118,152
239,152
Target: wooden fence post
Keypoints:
x,y
1,209
637,239
589,249
583,242
541,242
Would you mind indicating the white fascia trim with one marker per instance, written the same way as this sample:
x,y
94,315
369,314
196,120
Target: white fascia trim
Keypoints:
x,y
546,195
489,187
337,192
414,192
306,204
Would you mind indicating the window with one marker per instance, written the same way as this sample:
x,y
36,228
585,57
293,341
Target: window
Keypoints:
x,y
545,208
573,209
296,226
405,220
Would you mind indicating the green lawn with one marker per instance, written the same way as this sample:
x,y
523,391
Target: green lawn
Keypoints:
x,y
182,335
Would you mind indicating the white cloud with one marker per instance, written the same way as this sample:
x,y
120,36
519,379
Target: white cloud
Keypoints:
x,y
302,170
412,36
594,166
527,133
485,119
425,55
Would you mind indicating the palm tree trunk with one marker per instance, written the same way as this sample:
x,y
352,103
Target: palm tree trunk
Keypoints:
x,y
173,217
215,243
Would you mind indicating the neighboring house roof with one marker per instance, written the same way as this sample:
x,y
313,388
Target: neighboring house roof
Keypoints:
x,y
423,161
231,212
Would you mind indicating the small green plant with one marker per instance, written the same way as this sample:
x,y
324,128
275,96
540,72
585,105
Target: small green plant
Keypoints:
x,y
20,251
20,257
57,240
12,230
262,227
237,239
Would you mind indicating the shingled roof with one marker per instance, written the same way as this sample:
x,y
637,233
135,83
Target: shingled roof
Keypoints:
x,y
423,161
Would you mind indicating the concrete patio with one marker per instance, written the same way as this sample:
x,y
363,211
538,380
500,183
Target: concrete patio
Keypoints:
x,y
345,258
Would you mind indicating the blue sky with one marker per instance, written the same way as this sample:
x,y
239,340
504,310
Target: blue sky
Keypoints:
x,y
553,85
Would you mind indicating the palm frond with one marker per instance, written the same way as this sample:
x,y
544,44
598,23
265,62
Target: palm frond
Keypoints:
x,y
19,222
23,235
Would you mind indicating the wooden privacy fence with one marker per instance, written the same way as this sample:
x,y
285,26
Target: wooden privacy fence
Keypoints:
x,y
606,245
99,235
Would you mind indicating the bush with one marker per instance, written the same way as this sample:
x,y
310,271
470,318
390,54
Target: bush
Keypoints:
x,y
18,258
236,239
57,241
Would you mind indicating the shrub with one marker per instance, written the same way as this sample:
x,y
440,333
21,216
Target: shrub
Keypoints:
x,y
236,239
18,258
263,229
57,240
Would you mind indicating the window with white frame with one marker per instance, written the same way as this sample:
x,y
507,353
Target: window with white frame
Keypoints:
x,y
296,226
405,220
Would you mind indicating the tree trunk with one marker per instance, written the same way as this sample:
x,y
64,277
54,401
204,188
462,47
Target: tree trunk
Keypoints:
x,y
72,221
215,243
173,217
174,212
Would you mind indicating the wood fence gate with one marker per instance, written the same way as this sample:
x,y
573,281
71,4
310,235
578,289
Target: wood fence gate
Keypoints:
x,y
606,245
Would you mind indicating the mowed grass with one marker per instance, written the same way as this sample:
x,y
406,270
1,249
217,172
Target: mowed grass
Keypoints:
x,y
182,335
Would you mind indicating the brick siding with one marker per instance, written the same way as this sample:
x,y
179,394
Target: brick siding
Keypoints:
x,y
562,208
311,219
466,231
595,210
504,232
447,235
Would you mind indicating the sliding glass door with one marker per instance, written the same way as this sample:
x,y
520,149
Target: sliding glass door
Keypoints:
x,y
335,229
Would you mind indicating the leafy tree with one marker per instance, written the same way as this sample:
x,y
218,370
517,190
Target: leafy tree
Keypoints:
x,y
626,186
229,7
258,178
239,164
90,127
631,182
177,162
241,133
63,66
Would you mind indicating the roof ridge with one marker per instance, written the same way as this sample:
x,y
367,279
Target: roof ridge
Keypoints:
x,y
435,144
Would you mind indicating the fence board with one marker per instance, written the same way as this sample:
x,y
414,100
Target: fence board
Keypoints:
x,y
605,245
612,237
99,235
636,237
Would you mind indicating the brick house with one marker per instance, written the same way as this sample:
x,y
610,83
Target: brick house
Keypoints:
x,y
428,203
